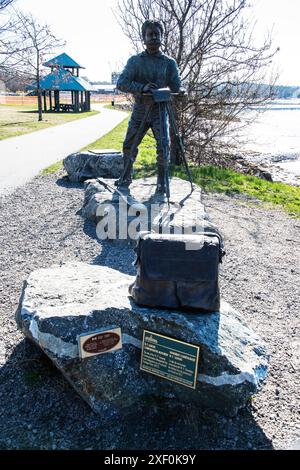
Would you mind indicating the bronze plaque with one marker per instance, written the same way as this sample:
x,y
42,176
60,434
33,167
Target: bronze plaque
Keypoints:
x,y
99,342
170,358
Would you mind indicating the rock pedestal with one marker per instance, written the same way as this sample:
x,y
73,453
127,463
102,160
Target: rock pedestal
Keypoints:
x,y
107,163
60,303
185,212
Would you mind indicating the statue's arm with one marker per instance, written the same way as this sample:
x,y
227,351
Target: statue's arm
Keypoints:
x,y
126,81
174,78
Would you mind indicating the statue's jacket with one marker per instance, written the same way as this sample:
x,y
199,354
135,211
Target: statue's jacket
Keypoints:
x,y
146,68
141,69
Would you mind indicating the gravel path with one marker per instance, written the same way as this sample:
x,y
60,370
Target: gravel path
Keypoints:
x,y
40,224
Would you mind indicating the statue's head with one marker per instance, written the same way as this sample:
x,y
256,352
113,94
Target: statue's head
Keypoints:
x,y
152,32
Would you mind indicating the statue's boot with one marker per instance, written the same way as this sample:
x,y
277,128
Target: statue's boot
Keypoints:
x,y
125,179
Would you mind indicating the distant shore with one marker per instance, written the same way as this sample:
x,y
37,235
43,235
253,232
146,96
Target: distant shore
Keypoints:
x,y
282,168
272,140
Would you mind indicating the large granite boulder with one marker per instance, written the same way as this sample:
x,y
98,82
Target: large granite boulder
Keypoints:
x,y
62,302
185,212
107,163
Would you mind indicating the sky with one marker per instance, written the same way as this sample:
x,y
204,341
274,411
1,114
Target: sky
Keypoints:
x,y
96,41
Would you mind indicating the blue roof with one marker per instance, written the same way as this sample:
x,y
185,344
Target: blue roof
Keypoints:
x,y
63,80
62,60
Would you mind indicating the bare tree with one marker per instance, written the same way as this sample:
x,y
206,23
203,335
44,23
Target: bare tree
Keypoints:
x,y
6,27
5,3
30,47
223,68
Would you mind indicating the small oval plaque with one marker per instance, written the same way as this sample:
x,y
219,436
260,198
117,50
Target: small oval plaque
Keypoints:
x,y
101,342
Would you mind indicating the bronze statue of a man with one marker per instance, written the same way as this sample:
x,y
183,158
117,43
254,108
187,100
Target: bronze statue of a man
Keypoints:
x,y
143,73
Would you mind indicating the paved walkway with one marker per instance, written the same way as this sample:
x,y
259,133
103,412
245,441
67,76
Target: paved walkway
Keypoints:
x,y
23,157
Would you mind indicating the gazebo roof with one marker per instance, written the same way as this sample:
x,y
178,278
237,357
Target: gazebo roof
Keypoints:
x,y
63,80
62,60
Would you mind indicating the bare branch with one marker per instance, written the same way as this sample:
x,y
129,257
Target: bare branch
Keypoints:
x,y
5,3
220,62
25,46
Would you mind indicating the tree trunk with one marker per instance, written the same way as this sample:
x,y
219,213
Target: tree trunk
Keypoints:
x,y
40,109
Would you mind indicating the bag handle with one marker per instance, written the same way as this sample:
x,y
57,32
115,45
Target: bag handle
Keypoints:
x,y
222,251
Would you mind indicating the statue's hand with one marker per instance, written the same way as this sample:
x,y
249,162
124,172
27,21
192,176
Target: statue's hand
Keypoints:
x,y
182,91
149,87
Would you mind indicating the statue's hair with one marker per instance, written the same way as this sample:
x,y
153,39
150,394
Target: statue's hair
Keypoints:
x,y
151,24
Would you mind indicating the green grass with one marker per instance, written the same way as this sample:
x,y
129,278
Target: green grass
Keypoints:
x,y
52,168
210,178
145,163
109,106
217,179
114,138
19,120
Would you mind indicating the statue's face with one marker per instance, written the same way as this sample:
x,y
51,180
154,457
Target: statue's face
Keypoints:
x,y
152,39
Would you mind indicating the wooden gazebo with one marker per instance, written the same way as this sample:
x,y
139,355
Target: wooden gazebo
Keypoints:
x,y
64,77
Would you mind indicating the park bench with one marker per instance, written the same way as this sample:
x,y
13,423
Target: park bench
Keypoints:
x,y
66,107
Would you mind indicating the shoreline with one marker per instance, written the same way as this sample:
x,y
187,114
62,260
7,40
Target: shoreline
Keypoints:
x,y
274,165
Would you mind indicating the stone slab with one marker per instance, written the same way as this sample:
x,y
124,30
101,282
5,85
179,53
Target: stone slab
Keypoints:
x,y
62,302
185,212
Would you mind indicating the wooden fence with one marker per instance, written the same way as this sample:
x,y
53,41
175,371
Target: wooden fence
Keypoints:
x,y
18,100
107,97
22,100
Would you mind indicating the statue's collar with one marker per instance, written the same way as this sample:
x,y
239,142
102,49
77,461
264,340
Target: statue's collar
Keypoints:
x,y
146,54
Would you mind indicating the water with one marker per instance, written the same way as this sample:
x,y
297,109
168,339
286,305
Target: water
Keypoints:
x,y
275,136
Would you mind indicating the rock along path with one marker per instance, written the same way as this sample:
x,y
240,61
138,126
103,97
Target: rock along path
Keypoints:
x,y
23,157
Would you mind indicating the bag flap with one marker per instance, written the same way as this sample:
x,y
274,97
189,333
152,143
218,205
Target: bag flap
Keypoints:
x,y
172,259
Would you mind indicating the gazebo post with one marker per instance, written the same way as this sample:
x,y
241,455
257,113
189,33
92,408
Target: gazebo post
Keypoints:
x,y
50,99
81,100
76,101
45,101
87,104
56,98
